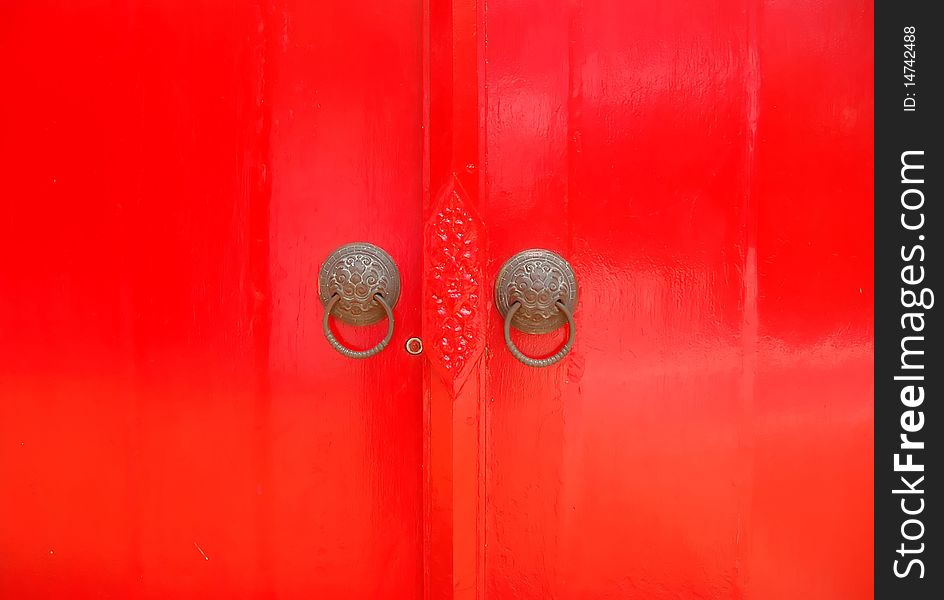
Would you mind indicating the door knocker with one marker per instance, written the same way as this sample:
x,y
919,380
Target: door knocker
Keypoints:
x,y
359,285
536,292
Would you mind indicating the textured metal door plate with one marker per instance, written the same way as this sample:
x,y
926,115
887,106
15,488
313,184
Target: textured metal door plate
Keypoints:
x,y
536,279
356,273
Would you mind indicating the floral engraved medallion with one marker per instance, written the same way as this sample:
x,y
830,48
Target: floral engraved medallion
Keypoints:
x,y
357,272
537,280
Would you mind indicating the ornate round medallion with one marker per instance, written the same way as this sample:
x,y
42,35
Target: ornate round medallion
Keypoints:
x,y
536,279
356,273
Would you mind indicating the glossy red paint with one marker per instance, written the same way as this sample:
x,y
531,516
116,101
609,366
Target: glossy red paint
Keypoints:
x,y
456,303
173,424
706,168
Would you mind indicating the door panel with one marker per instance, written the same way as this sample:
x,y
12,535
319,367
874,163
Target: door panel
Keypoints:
x,y
345,454
813,411
615,473
174,424
674,153
172,421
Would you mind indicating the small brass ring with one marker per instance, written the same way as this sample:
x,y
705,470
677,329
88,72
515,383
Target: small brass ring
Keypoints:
x,y
547,361
414,346
344,349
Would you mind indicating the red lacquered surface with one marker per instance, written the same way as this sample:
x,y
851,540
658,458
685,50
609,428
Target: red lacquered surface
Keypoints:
x,y
813,416
706,169
172,422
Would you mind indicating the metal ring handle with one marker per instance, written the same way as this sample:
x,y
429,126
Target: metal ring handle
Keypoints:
x,y
357,353
540,362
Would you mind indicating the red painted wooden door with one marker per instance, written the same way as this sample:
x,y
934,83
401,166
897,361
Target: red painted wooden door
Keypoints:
x,y
172,422
706,169
710,434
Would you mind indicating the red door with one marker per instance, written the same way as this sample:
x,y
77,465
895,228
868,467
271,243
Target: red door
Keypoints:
x,y
706,170
174,424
